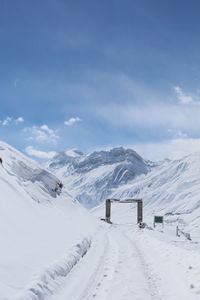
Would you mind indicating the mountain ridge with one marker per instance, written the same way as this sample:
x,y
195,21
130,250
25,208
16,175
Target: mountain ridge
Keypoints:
x,y
91,177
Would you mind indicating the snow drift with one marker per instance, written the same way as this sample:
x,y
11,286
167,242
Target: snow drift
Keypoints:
x,y
47,283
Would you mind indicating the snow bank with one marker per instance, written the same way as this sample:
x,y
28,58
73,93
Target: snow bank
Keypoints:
x,y
48,282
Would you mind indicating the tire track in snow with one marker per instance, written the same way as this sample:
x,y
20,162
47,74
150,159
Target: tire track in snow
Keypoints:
x,y
151,279
113,269
98,285
170,263
121,273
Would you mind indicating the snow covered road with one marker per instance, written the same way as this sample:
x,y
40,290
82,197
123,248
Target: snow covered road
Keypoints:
x,y
125,263
53,249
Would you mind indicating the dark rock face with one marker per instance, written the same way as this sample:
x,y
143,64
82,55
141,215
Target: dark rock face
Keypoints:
x,y
116,155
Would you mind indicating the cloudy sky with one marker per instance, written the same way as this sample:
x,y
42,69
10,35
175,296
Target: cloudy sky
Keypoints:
x,y
97,74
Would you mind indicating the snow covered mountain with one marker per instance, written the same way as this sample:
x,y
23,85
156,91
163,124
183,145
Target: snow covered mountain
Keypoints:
x,y
167,187
28,175
38,226
91,178
171,188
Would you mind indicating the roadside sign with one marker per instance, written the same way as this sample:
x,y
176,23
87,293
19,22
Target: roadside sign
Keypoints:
x,y
158,219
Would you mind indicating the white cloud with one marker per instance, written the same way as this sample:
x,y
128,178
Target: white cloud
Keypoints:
x,y
72,121
122,101
47,129
182,97
7,121
152,117
42,134
39,154
11,121
173,149
19,120
178,134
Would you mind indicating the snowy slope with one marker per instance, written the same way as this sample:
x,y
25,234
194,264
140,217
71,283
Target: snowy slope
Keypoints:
x,y
38,227
91,178
28,174
172,188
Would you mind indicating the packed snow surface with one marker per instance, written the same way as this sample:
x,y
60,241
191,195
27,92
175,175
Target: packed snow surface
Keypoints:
x,y
126,263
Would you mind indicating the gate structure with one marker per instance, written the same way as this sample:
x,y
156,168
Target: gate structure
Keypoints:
x,y
139,208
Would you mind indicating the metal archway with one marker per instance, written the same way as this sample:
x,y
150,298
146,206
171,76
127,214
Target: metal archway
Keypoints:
x,y
139,208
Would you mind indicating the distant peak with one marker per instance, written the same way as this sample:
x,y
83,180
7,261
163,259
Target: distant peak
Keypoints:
x,y
69,153
64,157
73,153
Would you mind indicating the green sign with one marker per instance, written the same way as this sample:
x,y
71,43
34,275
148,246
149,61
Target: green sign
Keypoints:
x,y
158,219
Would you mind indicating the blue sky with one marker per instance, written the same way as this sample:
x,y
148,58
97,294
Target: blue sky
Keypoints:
x,y
97,74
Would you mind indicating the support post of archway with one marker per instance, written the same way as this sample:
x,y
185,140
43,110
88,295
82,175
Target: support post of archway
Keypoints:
x,y
139,211
108,210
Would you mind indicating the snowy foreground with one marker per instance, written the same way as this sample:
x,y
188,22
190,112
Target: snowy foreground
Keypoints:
x,y
43,233
127,263
53,249
122,262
